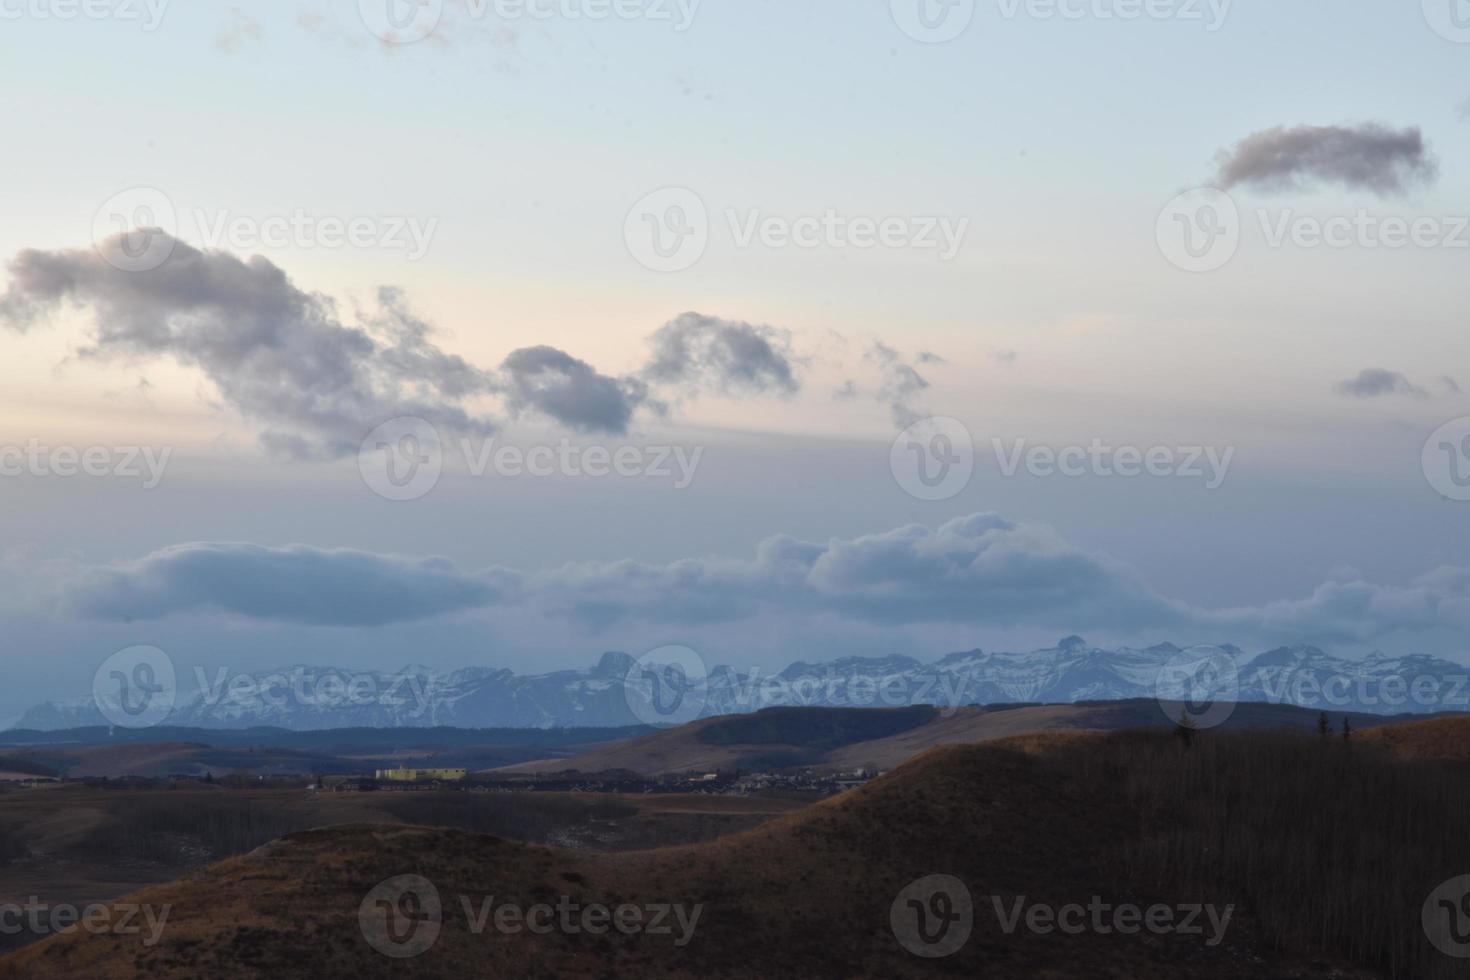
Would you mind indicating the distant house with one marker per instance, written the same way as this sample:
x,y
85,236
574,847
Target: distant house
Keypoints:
x,y
421,775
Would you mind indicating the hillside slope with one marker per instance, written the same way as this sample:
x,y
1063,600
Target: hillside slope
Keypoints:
x,y
1439,739
1117,819
809,736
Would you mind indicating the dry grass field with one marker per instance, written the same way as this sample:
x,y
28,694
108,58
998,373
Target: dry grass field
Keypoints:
x,y
1324,848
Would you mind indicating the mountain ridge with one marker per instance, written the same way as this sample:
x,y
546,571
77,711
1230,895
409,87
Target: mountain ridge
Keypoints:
x,y
607,694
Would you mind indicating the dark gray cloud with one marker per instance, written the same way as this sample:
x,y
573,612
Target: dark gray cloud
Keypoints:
x,y
277,354
1369,156
300,585
980,570
1359,611
900,385
571,391
283,357
1376,382
725,356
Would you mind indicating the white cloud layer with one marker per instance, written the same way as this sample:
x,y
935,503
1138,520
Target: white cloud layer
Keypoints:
x,y
978,571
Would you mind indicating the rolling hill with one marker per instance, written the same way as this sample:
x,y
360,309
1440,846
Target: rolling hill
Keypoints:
x,y
167,751
1445,740
1125,820
779,738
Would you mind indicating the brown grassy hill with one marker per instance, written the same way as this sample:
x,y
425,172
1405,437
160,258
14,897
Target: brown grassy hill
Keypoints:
x,y
156,759
806,736
1326,851
80,844
770,739
1439,739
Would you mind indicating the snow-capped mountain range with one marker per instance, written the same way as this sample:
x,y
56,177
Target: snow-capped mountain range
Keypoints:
x,y
620,690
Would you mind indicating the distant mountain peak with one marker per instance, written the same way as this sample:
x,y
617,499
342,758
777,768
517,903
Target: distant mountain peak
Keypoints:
x,y
614,664
496,697
846,666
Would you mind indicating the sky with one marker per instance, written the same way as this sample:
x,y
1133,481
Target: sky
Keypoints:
x,y
759,248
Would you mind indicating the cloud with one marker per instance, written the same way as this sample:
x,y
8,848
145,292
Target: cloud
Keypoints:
x,y
901,385
1450,386
276,353
974,571
1004,356
723,356
1376,382
300,585
1369,156
982,571
1359,611
283,357
571,391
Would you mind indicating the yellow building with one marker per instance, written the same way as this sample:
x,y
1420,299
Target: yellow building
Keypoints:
x,y
420,775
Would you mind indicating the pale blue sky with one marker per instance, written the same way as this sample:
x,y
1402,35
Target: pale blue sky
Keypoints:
x,y
527,143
